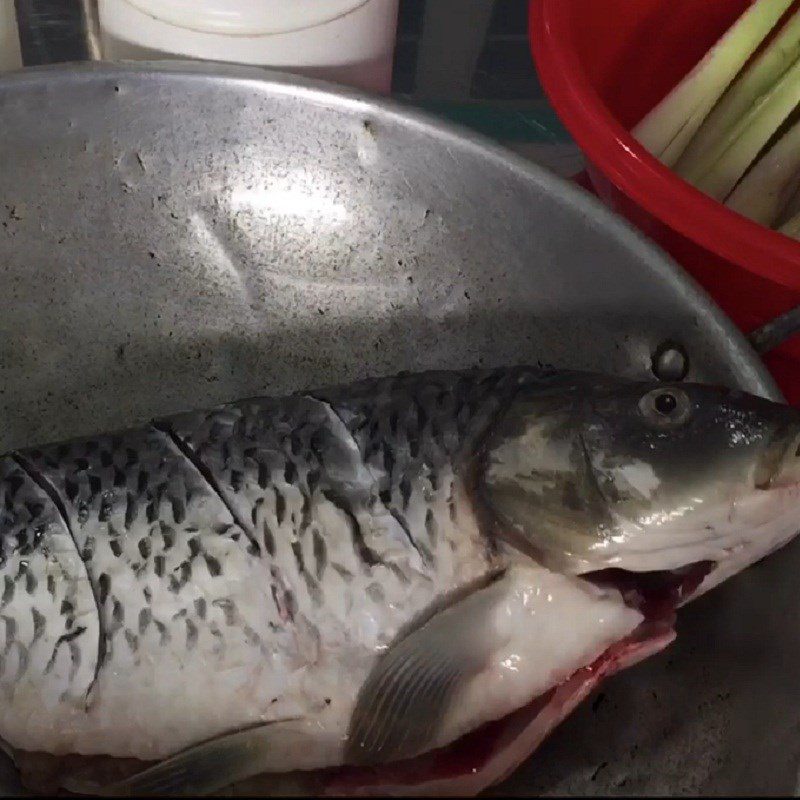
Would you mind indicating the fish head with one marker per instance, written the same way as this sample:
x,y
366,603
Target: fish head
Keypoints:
x,y
645,478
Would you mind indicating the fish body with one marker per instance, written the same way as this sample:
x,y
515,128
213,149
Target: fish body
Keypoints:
x,y
356,577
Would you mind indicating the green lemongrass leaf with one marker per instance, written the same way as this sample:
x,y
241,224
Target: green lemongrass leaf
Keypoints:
x,y
792,227
770,185
667,130
745,92
730,158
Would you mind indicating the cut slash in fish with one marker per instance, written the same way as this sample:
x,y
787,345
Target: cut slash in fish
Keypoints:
x,y
398,586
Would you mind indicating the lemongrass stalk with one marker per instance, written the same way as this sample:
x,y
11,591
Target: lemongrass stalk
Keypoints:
x,y
729,158
668,128
791,208
792,227
755,82
769,186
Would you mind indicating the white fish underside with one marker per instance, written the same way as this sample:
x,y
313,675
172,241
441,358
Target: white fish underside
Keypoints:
x,y
148,608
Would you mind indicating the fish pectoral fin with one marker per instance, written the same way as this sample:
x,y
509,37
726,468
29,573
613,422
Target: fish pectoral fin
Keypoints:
x,y
198,770
399,711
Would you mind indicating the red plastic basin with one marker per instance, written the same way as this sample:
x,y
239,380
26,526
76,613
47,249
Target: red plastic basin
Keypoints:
x,y
604,64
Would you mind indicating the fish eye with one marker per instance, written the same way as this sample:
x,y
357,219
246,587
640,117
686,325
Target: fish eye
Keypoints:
x,y
665,403
666,408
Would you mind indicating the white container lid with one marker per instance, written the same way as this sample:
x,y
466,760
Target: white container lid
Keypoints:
x,y
246,17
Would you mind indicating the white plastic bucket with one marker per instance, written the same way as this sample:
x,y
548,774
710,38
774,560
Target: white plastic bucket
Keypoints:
x,y
346,41
10,55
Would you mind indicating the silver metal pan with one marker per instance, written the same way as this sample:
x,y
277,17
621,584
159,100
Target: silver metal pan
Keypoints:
x,y
177,235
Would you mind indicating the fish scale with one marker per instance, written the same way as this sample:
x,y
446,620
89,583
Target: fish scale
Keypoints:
x,y
47,605
153,547
360,576
258,543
